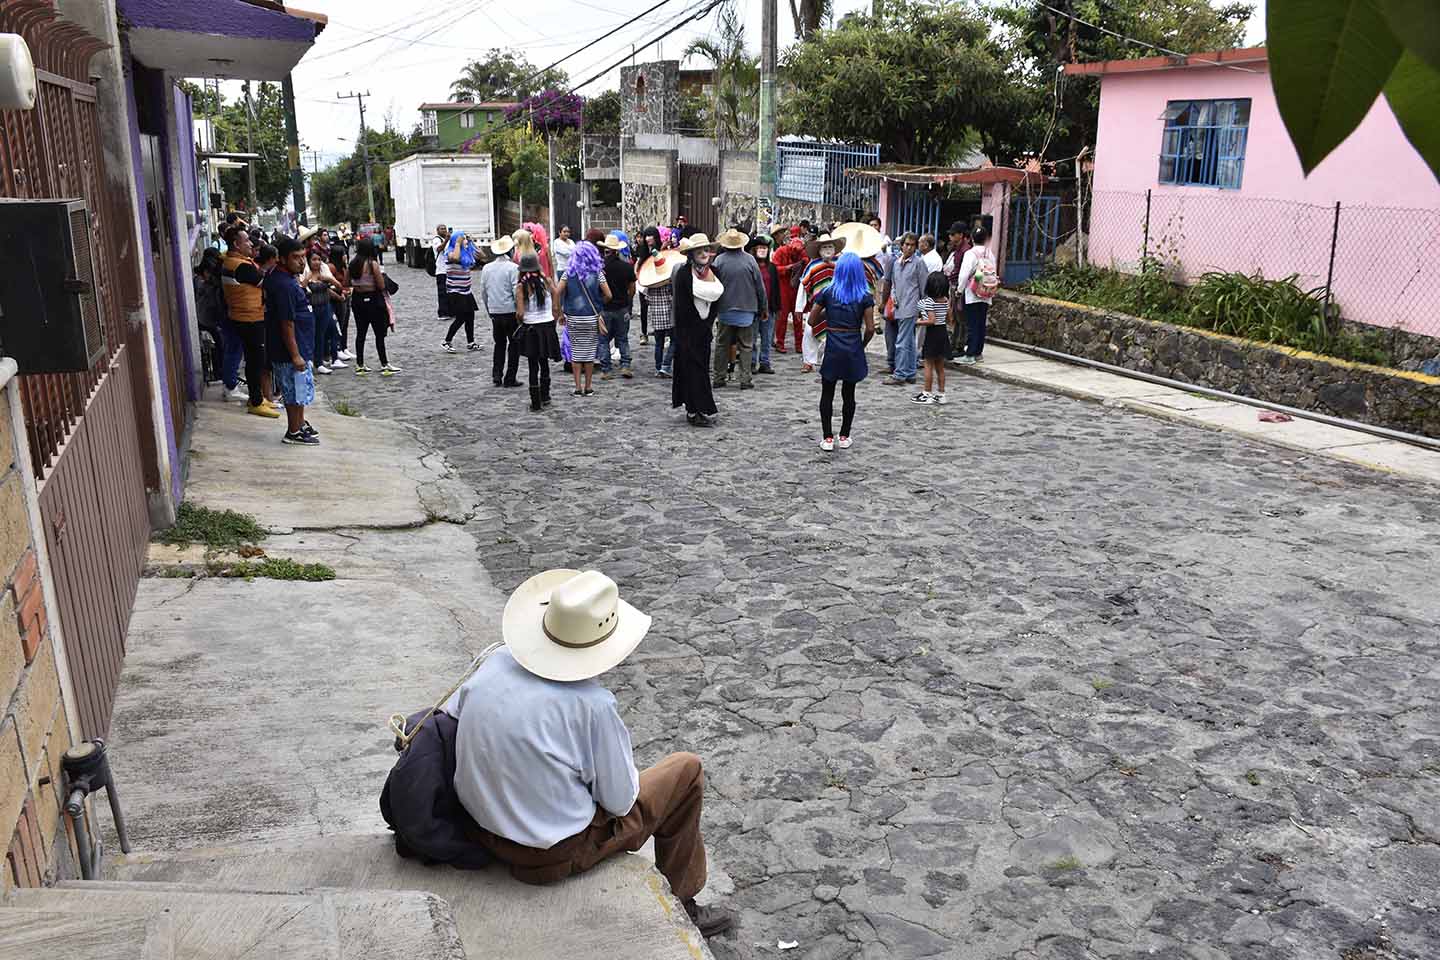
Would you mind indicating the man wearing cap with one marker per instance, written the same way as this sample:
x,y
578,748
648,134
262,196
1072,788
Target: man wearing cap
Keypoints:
x,y
543,761
497,289
437,249
743,302
959,243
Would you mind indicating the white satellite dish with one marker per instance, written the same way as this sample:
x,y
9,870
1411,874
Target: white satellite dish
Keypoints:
x,y
17,73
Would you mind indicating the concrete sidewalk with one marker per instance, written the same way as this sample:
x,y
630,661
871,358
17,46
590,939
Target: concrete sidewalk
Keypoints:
x,y
253,712
1180,406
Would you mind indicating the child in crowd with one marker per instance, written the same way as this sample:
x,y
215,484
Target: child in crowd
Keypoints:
x,y
934,320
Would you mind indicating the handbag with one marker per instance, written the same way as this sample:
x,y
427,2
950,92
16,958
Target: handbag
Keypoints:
x,y
391,287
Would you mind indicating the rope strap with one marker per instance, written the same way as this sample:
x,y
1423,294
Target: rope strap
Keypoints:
x,y
397,720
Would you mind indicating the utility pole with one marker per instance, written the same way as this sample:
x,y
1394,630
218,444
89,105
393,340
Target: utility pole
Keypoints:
x,y
364,147
292,149
765,203
250,148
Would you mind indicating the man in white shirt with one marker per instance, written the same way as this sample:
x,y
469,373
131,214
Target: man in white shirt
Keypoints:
x,y
929,254
437,246
543,761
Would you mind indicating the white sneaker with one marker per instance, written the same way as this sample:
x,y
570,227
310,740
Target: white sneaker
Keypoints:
x,y
339,364
922,398
938,398
388,370
966,361
239,393
323,369
445,345
344,354
844,443
827,444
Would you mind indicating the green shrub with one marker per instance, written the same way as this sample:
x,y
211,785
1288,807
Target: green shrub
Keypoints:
x,y
213,528
1274,311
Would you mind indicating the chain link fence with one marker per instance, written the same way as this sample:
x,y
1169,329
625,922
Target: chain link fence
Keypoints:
x,y
1377,265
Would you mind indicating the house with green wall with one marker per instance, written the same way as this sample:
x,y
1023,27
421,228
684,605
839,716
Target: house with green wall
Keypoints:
x,y
447,125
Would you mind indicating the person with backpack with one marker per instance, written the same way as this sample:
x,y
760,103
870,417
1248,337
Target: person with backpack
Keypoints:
x,y
435,266
978,280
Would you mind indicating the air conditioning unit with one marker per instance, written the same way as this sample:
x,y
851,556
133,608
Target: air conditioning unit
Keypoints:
x,y
49,315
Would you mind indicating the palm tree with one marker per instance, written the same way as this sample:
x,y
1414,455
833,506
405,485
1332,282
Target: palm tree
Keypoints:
x,y
735,103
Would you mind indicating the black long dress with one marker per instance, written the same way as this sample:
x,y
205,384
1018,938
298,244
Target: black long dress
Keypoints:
x,y
690,385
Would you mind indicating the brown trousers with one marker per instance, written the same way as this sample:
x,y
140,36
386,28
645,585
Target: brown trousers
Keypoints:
x,y
668,809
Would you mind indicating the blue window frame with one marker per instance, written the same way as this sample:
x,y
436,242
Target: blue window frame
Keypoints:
x,y
1204,143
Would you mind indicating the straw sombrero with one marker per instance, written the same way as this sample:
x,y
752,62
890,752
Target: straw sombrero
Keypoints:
x,y
567,625
861,239
501,246
812,247
695,241
657,269
732,239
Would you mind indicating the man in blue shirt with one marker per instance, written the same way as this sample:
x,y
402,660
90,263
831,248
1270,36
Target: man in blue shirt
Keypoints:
x,y
905,282
290,334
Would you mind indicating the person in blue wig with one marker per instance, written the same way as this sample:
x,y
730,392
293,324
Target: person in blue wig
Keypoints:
x,y
845,312
460,259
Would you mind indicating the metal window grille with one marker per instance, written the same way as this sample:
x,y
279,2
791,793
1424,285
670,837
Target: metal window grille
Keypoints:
x,y
815,172
1204,143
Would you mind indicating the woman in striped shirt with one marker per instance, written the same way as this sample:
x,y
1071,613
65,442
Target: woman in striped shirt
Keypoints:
x,y
460,258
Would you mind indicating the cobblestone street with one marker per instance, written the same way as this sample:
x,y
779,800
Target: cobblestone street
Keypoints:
x,y
1018,677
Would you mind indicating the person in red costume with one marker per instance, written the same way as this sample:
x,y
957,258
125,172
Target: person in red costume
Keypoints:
x,y
789,260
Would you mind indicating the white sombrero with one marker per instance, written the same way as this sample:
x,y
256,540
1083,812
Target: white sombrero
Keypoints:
x,y
812,247
657,269
696,241
568,625
306,233
861,239
732,239
501,246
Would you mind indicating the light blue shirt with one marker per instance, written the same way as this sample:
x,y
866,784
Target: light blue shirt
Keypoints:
x,y
497,285
533,757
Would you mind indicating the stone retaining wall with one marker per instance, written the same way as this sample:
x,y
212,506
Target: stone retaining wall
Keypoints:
x,y
1397,399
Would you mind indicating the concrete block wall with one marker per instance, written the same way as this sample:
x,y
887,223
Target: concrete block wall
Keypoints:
x,y
650,97
34,729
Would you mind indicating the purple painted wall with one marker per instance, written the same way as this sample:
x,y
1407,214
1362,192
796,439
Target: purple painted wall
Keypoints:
x,y
162,378
232,18
185,127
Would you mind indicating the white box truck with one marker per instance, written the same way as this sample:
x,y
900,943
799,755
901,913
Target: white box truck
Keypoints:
x,y
455,189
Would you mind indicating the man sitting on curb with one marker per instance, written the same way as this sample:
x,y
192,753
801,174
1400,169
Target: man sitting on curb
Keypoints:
x,y
543,762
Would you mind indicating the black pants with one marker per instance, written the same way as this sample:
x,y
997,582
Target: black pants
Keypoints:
x,y
466,320
252,339
540,374
443,310
370,313
644,317
342,317
827,407
507,349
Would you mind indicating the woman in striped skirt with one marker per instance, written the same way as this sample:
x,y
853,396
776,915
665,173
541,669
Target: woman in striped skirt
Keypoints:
x,y
581,293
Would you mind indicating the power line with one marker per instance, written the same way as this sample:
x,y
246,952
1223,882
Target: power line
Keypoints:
x,y
1142,43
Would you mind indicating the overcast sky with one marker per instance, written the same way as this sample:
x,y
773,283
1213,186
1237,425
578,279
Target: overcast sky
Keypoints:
x,y
405,55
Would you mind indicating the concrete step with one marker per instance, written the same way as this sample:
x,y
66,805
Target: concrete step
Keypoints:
x,y
209,922
621,910
32,934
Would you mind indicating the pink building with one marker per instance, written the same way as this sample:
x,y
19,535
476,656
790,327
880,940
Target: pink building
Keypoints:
x,y
1199,142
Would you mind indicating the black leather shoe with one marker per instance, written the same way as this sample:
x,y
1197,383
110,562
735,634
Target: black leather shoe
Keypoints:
x,y
708,920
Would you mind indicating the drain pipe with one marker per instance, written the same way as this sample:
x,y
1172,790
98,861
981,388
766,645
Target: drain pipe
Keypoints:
x,y
86,769
1414,439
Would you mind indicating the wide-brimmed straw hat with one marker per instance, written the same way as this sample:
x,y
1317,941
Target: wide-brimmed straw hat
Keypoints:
x,y
568,625
613,242
657,269
812,247
501,246
695,241
861,239
732,239
305,233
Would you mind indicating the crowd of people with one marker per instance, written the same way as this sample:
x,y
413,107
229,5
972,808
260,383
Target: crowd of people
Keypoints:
x,y
282,307
717,309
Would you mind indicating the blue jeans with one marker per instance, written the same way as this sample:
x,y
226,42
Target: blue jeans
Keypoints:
x,y
890,328
764,333
617,330
234,352
904,348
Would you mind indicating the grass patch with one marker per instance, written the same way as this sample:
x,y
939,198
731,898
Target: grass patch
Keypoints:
x,y
346,409
1279,312
213,528
836,780
1102,683
274,568
1066,863
1252,777
175,573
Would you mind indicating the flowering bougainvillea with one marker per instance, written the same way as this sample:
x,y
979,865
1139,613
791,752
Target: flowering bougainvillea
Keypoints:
x,y
552,110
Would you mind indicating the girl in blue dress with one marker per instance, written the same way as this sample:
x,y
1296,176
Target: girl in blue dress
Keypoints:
x,y
845,312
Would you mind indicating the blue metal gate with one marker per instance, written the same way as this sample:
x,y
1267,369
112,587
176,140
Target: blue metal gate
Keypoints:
x,y
913,209
1034,234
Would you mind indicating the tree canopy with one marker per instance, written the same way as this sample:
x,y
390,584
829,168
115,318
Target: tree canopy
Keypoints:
x,y
504,75
338,192
272,171
916,78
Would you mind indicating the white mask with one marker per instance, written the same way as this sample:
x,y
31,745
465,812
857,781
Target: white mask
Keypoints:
x,y
702,258
826,252
761,253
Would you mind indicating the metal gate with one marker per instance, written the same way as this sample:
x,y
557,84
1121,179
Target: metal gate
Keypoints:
x,y
699,185
914,208
566,212
89,452
1034,233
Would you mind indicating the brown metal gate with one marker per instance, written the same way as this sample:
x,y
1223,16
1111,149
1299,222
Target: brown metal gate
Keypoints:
x,y
88,448
699,185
